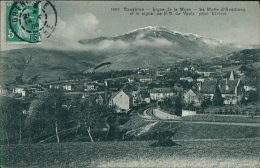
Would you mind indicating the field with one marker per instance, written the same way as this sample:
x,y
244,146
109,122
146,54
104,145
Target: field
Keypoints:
x,y
189,130
204,153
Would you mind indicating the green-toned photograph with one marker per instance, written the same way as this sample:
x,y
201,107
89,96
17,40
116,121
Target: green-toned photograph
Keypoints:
x,y
129,84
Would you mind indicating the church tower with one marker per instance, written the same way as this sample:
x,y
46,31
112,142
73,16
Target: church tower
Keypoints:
x,y
232,76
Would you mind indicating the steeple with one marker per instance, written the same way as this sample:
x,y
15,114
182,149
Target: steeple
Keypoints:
x,y
232,76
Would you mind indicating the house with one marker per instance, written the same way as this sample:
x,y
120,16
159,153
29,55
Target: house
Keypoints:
x,y
131,80
239,73
145,96
18,90
218,66
54,86
3,91
161,71
145,79
249,84
189,79
192,97
206,71
39,90
40,85
90,86
219,70
123,99
113,89
67,87
25,92
201,79
159,93
178,88
121,80
232,90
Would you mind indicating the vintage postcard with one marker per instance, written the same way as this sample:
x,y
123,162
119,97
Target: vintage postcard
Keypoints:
x,y
129,84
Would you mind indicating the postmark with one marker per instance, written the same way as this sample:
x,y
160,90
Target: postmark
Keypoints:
x,y
30,21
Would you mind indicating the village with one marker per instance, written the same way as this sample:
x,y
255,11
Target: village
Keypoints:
x,y
202,88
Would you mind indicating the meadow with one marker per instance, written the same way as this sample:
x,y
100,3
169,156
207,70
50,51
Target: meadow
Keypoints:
x,y
200,153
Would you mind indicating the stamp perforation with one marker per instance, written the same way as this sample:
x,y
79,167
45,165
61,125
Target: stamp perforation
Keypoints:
x,y
5,29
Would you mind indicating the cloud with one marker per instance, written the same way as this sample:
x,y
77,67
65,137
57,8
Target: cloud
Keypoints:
x,y
76,27
69,31
110,44
86,26
152,43
138,42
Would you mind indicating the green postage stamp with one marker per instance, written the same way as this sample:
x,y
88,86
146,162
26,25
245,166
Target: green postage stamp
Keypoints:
x,y
27,21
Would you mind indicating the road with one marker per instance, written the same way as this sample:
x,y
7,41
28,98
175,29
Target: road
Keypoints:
x,y
215,123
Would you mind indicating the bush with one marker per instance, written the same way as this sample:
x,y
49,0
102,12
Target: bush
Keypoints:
x,y
231,111
207,102
243,112
226,111
236,112
220,111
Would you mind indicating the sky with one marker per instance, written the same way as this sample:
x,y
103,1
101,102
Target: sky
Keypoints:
x,y
90,19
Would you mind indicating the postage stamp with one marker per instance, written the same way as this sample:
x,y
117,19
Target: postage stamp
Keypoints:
x,y
26,22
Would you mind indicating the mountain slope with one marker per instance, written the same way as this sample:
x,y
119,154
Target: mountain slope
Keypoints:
x,y
46,64
157,45
143,47
248,54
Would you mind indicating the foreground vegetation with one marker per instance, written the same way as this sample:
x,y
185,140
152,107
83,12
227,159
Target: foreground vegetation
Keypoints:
x,y
216,153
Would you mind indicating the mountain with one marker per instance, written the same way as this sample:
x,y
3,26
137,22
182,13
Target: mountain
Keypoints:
x,y
247,54
151,46
44,64
143,47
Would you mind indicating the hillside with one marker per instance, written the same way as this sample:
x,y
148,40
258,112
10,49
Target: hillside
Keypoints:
x,y
46,64
247,54
139,130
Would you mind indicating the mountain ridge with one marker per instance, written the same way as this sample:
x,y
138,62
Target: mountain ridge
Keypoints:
x,y
169,45
143,47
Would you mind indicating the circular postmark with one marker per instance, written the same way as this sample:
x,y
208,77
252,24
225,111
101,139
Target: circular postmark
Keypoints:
x,y
31,21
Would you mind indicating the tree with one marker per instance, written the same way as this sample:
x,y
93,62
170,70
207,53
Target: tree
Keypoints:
x,y
48,110
37,120
90,114
12,119
220,111
53,108
19,80
206,102
226,111
237,112
178,105
168,103
217,98
231,111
